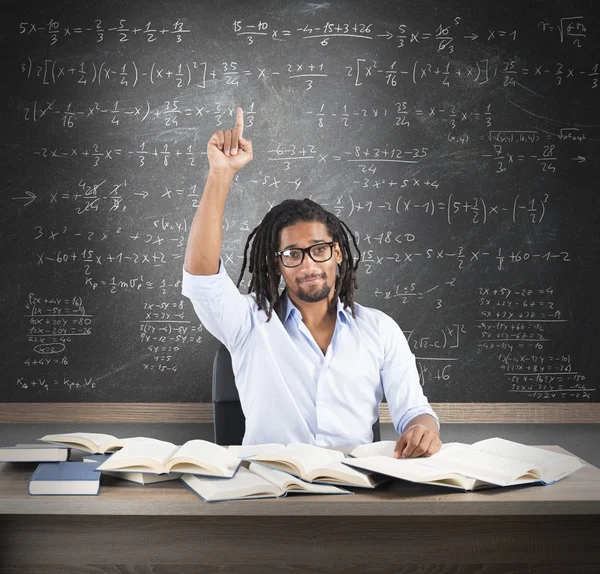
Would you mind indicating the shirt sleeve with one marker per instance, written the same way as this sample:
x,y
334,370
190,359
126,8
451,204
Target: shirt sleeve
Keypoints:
x,y
400,378
222,309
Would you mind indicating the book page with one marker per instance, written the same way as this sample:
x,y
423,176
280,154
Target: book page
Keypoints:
x,y
206,455
141,452
94,442
380,448
143,477
412,469
244,484
338,472
305,457
287,482
552,465
247,450
467,460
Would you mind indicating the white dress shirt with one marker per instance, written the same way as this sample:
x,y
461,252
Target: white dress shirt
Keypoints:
x,y
289,391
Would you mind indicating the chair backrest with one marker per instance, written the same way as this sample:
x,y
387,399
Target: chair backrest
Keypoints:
x,y
229,419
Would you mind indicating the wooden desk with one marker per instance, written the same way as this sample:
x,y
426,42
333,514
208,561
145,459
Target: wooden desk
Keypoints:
x,y
398,528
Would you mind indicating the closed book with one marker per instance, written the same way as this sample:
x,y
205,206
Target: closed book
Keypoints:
x,y
33,453
66,478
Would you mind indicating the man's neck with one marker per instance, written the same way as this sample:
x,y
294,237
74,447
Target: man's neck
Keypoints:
x,y
315,315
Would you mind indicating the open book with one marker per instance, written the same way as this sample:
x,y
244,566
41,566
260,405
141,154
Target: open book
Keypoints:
x,y
159,457
137,477
316,464
248,450
254,481
382,447
484,464
94,443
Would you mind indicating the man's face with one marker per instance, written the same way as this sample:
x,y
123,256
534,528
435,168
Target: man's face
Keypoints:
x,y
311,281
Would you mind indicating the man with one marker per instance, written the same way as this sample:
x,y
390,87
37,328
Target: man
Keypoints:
x,y
311,365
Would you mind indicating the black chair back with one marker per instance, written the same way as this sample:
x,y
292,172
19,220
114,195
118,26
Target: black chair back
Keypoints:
x,y
228,417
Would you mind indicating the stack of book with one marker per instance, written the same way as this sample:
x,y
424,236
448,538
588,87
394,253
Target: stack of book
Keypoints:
x,y
55,474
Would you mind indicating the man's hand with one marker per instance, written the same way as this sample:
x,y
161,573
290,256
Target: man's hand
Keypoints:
x,y
228,150
417,440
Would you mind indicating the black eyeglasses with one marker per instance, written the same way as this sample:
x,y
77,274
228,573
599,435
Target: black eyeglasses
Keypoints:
x,y
294,256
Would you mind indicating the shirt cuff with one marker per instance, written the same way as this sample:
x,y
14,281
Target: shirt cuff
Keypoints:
x,y
200,287
412,413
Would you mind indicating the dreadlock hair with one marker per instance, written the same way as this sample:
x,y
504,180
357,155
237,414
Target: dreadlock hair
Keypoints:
x,y
265,242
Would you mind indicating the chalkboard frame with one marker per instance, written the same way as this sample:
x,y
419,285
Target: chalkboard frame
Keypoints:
x,y
201,413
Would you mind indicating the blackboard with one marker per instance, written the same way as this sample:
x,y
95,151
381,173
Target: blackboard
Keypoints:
x,y
458,140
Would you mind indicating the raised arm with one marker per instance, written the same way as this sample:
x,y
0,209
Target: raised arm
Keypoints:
x,y
228,151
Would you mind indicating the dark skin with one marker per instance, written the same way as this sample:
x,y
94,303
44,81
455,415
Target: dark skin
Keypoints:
x,y
311,280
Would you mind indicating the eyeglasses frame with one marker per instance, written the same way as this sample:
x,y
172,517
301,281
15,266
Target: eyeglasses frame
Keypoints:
x,y
304,251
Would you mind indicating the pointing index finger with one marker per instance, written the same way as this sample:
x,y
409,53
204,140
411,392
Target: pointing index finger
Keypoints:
x,y
239,122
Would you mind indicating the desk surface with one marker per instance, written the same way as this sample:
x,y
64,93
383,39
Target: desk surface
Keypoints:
x,y
577,494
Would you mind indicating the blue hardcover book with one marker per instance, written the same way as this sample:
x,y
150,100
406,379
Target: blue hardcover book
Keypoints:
x,y
70,478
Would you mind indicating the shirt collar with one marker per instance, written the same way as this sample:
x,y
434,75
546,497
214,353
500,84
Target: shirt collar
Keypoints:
x,y
289,308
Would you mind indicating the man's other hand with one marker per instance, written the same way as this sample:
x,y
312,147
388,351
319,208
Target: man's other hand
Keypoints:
x,y
417,440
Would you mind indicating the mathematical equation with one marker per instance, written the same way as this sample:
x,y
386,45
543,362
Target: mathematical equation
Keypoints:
x,y
518,325
170,112
461,257
164,332
188,73
402,114
570,29
479,73
95,197
174,113
436,354
408,293
476,209
47,384
51,324
306,75
368,157
550,387
99,33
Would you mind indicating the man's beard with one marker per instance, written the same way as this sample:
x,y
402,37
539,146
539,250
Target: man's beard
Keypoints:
x,y
314,296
